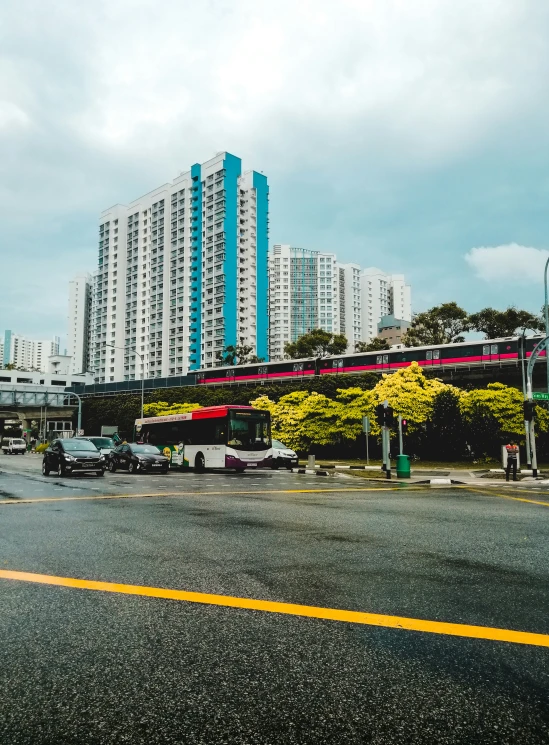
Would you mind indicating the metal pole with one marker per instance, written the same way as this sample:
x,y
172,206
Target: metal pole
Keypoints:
x,y
534,454
367,453
546,313
142,385
400,443
526,423
388,439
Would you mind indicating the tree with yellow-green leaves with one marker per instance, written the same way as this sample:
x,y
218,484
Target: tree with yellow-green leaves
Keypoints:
x,y
301,419
494,414
162,408
442,419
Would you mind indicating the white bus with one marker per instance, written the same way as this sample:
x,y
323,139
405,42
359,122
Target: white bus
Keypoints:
x,y
235,437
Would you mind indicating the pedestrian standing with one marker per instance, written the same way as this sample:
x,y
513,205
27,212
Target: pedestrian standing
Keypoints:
x,y
512,456
33,445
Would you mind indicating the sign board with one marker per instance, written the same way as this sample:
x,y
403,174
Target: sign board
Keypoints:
x,y
540,396
365,424
108,431
80,433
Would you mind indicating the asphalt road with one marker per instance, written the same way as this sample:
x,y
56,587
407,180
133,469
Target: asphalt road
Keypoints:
x,y
81,663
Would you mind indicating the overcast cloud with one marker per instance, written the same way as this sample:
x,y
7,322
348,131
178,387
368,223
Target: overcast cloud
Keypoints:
x,y
398,134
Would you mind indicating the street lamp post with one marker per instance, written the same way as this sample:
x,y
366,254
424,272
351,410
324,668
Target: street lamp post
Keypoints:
x,y
526,423
142,372
546,315
79,425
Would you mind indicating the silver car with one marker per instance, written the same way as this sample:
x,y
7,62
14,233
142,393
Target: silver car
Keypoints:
x,y
283,456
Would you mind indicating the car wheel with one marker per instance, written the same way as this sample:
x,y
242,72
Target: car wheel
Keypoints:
x,y
100,473
45,469
131,468
275,465
112,466
199,463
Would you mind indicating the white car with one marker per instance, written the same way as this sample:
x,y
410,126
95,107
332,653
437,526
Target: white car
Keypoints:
x,y
283,456
14,446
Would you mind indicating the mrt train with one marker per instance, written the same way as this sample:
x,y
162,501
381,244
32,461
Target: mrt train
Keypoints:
x,y
435,357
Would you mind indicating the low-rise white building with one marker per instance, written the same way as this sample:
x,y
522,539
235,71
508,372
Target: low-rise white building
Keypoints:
x,y
18,377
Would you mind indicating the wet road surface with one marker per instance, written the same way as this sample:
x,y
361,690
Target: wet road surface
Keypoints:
x,y
120,665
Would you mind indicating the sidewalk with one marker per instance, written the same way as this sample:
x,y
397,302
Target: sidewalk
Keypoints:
x,y
434,476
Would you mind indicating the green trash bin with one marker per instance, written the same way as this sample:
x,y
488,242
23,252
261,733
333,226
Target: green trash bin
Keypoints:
x,y
403,466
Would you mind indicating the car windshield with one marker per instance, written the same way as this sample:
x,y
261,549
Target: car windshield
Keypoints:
x,y
249,432
279,445
84,445
18,442
150,449
102,442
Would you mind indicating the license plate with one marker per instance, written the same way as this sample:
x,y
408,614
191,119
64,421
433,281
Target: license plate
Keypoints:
x,y
251,465
157,465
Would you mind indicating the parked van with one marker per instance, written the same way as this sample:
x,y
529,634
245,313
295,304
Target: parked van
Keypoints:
x,y
14,446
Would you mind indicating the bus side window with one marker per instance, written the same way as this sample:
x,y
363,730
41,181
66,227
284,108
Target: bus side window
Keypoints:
x,y
220,434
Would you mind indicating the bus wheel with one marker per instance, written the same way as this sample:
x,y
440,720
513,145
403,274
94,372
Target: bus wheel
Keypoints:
x,y
199,463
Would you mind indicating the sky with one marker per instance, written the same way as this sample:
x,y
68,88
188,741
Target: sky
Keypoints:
x,y
407,135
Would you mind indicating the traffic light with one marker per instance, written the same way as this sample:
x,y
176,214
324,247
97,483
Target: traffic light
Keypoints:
x,y
385,415
404,424
380,414
529,408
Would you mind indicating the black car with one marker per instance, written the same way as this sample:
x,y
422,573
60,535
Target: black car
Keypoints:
x,y
138,458
64,457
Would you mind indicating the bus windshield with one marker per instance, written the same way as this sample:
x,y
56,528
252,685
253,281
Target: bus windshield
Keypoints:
x,y
248,432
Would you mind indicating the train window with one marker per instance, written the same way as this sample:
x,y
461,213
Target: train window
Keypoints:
x,y
436,354
298,367
337,363
262,370
229,374
429,356
200,376
486,349
379,360
494,349
385,359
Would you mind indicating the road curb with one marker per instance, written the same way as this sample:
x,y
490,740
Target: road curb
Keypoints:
x,y
310,471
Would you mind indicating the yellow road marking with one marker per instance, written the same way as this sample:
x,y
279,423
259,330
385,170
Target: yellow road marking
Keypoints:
x,y
191,494
290,609
491,493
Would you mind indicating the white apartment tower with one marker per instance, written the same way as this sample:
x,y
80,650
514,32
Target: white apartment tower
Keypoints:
x,y
78,322
350,304
28,354
182,273
310,290
383,295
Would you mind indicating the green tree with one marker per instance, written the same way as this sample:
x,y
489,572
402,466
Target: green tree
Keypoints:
x,y
316,343
376,345
446,431
443,324
239,354
162,408
496,323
